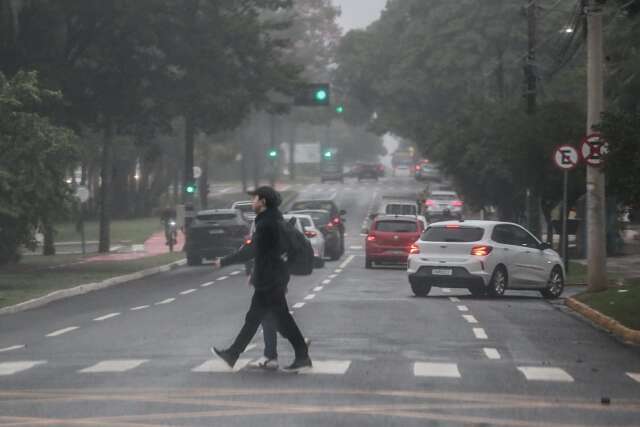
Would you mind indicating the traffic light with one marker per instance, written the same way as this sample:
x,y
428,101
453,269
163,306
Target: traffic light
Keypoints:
x,y
313,95
273,154
328,154
190,188
340,109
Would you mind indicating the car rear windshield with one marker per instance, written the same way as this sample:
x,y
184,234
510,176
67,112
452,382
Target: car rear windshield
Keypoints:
x,y
452,234
217,217
443,197
397,226
305,222
401,209
300,206
319,218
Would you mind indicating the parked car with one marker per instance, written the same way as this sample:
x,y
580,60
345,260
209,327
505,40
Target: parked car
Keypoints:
x,y
337,215
443,205
485,257
215,233
368,171
390,238
246,207
307,226
333,245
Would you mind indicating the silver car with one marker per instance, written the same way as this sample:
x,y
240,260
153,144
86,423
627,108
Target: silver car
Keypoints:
x,y
443,205
315,236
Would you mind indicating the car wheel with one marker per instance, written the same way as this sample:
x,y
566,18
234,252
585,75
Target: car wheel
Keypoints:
x,y
318,262
420,289
555,286
335,254
368,263
194,260
477,291
499,282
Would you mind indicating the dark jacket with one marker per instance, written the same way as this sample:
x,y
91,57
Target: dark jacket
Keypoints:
x,y
270,270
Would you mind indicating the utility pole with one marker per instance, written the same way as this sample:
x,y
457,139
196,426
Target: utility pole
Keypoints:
x,y
596,233
531,75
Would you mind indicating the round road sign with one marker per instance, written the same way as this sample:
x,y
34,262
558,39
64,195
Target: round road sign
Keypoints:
x,y
566,157
593,149
197,172
82,193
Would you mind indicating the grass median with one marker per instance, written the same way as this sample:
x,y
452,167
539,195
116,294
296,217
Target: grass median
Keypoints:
x,y
37,276
134,231
620,303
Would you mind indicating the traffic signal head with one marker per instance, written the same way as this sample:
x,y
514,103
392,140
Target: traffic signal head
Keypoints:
x,y
340,109
272,154
313,95
190,188
328,154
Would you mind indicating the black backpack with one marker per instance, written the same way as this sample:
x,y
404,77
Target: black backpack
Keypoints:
x,y
298,251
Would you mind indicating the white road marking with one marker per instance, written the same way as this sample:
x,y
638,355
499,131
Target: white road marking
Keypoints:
x,y
492,353
533,373
338,271
333,276
480,333
222,278
188,291
441,370
167,301
328,367
217,365
310,297
463,308
356,248
634,376
62,331
106,316
113,366
250,347
298,305
469,318
446,290
10,368
326,282
15,347
348,260
140,307
206,285
318,289
235,273
454,299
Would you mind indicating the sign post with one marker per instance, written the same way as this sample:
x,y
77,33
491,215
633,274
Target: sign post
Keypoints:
x,y
566,158
82,194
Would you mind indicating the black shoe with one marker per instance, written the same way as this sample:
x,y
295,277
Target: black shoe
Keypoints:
x,y
299,365
226,355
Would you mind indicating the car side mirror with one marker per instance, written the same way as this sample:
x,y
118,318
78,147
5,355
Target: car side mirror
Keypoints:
x,y
343,212
544,246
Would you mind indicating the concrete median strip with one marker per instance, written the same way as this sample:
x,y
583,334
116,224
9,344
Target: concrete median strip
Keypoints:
x,y
90,287
608,323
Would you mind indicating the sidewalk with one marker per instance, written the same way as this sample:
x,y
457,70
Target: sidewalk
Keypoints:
x,y
154,245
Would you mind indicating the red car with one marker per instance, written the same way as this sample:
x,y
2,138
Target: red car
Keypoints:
x,y
390,238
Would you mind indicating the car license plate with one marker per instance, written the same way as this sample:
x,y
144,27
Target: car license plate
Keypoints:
x,y
216,231
442,272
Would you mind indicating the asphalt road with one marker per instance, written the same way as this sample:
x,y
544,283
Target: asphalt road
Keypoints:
x,y
138,354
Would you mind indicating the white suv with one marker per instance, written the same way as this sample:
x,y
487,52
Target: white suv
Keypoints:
x,y
485,257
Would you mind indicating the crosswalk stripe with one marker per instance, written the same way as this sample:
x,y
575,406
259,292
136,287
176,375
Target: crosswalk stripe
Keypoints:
x,y
106,316
469,318
10,368
454,299
440,370
446,290
62,331
634,376
533,373
492,353
480,333
328,367
463,308
217,365
15,347
106,366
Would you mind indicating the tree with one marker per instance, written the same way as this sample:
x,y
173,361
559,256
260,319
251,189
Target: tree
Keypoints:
x,y
36,156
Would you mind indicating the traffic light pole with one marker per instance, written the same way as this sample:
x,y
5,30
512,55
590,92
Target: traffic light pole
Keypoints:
x,y
596,233
272,147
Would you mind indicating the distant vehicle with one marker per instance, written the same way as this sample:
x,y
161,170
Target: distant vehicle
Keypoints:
x,y
307,226
333,241
368,171
427,172
402,163
485,257
443,204
215,233
246,208
381,169
331,168
390,238
337,216
399,207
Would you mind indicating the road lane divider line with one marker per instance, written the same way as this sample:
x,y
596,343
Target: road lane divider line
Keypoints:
x,y
220,279
140,307
62,331
480,334
298,305
107,366
469,318
310,297
206,285
166,301
634,376
333,276
339,270
348,260
318,289
492,353
463,308
454,299
326,282
188,291
235,273
12,348
535,373
436,370
106,316
10,368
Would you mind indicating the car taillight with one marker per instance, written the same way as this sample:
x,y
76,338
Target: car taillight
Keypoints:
x,y
481,250
247,242
336,220
371,238
310,234
417,168
452,226
456,203
414,249
430,202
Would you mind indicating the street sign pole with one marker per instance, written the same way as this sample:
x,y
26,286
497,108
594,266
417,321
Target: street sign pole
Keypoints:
x,y
564,238
565,158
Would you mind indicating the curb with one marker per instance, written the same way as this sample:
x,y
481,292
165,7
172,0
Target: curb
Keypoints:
x,y
606,322
89,287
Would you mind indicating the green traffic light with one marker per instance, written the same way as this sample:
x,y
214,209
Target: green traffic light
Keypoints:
x,y
339,109
273,154
321,95
328,154
190,189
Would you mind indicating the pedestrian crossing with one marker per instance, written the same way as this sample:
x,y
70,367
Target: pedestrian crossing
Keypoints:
x,y
435,370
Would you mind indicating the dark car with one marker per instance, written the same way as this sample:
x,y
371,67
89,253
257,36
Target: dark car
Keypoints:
x,y
215,233
368,171
333,246
330,206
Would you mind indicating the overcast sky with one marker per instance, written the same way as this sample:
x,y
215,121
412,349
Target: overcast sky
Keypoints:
x,y
359,13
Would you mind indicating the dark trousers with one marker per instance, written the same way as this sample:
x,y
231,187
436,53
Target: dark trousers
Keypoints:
x,y
271,302
270,334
